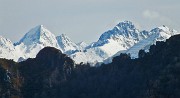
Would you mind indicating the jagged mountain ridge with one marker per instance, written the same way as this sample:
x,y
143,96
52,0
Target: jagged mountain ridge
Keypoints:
x,y
66,44
121,39
7,49
33,41
124,37
157,34
40,37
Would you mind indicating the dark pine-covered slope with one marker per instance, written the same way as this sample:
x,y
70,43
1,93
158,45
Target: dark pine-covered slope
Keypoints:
x,y
51,74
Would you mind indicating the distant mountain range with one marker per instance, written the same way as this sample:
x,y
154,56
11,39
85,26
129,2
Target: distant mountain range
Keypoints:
x,y
123,38
52,74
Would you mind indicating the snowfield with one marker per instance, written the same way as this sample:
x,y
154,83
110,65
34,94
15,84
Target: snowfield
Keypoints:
x,y
123,38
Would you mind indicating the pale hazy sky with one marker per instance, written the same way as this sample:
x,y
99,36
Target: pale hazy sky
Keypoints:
x,y
84,20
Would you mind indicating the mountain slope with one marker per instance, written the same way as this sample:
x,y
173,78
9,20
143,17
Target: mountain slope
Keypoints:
x,y
123,38
35,40
120,38
155,74
91,55
39,35
158,34
148,38
66,44
7,49
82,45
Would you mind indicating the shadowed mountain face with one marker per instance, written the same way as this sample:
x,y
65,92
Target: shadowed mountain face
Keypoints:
x,y
51,74
49,69
35,77
10,83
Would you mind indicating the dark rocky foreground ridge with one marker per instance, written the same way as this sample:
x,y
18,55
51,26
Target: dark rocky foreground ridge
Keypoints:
x,y
51,74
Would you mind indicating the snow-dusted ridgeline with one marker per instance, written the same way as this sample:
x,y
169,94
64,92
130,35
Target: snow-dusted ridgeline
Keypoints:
x,y
123,38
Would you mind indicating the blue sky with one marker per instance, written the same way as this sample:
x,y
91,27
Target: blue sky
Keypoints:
x,y
84,20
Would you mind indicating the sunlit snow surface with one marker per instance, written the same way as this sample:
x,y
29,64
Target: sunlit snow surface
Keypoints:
x,y
123,38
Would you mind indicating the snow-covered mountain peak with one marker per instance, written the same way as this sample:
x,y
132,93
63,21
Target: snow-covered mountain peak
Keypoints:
x,y
39,35
3,40
6,43
65,43
160,29
164,29
122,31
7,49
163,32
125,25
34,40
123,38
123,28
